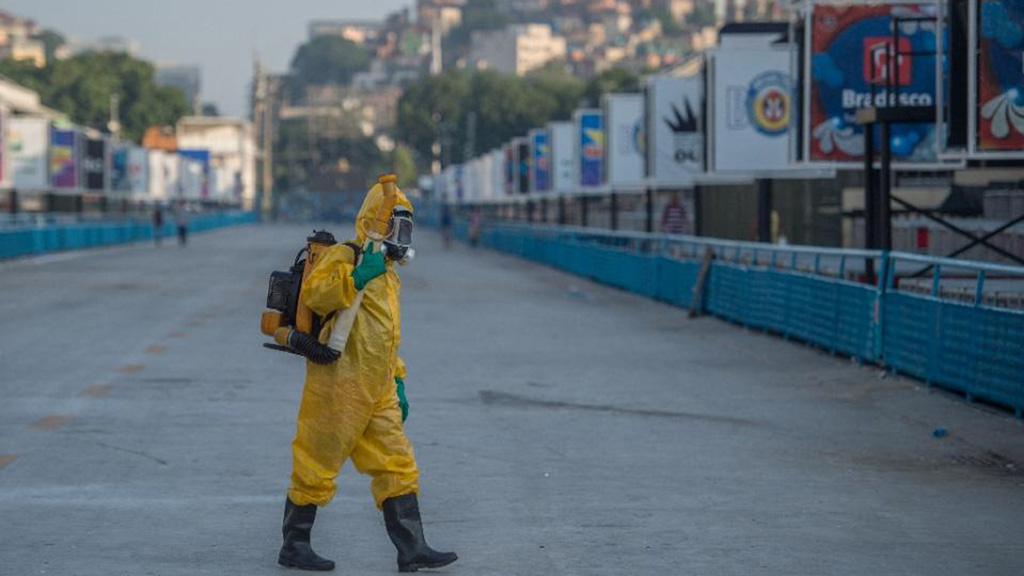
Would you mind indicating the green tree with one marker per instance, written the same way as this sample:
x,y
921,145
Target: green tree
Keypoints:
x,y
328,60
437,109
51,41
82,86
615,79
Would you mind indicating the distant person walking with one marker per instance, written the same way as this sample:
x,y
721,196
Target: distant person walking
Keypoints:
x,y
181,221
446,226
673,219
475,223
158,223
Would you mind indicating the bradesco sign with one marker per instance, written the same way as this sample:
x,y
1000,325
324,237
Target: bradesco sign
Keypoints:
x,y
1001,76
851,52
589,148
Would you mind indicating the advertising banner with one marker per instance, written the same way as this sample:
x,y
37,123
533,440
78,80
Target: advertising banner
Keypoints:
x,y
203,158
1001,76
561,144
624,130
675,128
173,188
138,170
589,148
522,146
27,143
510,168
541,160
846,43
63,160
94,164
157,185
497,173
5,174
119,168
753,104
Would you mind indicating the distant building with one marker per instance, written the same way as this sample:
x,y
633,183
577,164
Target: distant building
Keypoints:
x,y
516,49
17,39
361,32
231,144
32,51
446,13
186,78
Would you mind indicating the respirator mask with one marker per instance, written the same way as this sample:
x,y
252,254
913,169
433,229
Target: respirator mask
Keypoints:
x,y
398,244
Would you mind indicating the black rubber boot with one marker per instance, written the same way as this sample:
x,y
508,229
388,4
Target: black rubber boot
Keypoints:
x,y
402,518
296,551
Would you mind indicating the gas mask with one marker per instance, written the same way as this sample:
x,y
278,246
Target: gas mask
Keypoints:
x,y
398,244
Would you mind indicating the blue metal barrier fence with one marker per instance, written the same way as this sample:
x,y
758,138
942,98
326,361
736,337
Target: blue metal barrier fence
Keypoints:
x,y
58,237
814,295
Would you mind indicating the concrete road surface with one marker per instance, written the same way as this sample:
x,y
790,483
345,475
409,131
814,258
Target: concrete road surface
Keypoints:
x,y
561,428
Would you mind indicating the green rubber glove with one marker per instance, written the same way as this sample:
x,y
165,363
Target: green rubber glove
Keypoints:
x,y
403,402
369,268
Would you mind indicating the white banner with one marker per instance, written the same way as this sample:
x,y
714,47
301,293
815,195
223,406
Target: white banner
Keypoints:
x,y
675,128
138,170
624,129
563,166
753,102
28,141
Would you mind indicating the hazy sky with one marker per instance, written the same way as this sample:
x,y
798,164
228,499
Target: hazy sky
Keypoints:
x,y
220,35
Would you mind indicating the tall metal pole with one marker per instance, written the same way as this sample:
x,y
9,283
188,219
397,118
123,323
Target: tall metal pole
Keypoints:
x,y
884,202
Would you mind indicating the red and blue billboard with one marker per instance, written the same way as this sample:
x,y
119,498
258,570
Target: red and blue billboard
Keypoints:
x,y
850,68
541,161
1001,76
591,147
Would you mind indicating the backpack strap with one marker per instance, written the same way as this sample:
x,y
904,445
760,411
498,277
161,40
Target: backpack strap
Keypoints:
x,y
357,250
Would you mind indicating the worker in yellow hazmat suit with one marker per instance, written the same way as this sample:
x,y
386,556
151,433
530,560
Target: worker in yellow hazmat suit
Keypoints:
x,y
351,408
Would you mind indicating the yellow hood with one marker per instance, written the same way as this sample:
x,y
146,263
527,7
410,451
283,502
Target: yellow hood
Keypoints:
x,y
368,211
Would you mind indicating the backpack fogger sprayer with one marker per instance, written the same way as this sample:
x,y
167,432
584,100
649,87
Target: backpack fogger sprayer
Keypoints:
x,y
294,327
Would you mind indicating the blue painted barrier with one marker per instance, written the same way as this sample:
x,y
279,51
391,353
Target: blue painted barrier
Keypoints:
x,y
808,294
60,237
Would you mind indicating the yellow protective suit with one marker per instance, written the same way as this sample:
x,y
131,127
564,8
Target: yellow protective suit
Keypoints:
x,y
349,408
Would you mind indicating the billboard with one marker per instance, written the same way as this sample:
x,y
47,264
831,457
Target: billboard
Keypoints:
x,y
157,186
202,157
1000,76
589,142
675,128
138,170
63,160
753,105
27,145
119,168
541,160
522,149
94,164
624,133
510,168
846,42
561,144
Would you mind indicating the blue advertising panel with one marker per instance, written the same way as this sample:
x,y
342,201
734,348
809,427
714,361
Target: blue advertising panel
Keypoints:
x,y
63,158
851,49
203,156
541,161
1001,76
591,140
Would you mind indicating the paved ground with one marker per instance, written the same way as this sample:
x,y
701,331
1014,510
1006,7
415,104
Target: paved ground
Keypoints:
x,y
562,428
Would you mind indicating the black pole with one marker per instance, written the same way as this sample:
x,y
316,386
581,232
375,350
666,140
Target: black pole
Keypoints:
x,y
529,211
13,208
869,198
650,210
583,211
544,210
561,210
764,210
884,201
615,211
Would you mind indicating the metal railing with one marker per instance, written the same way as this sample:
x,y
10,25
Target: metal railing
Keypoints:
x,y
825,297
